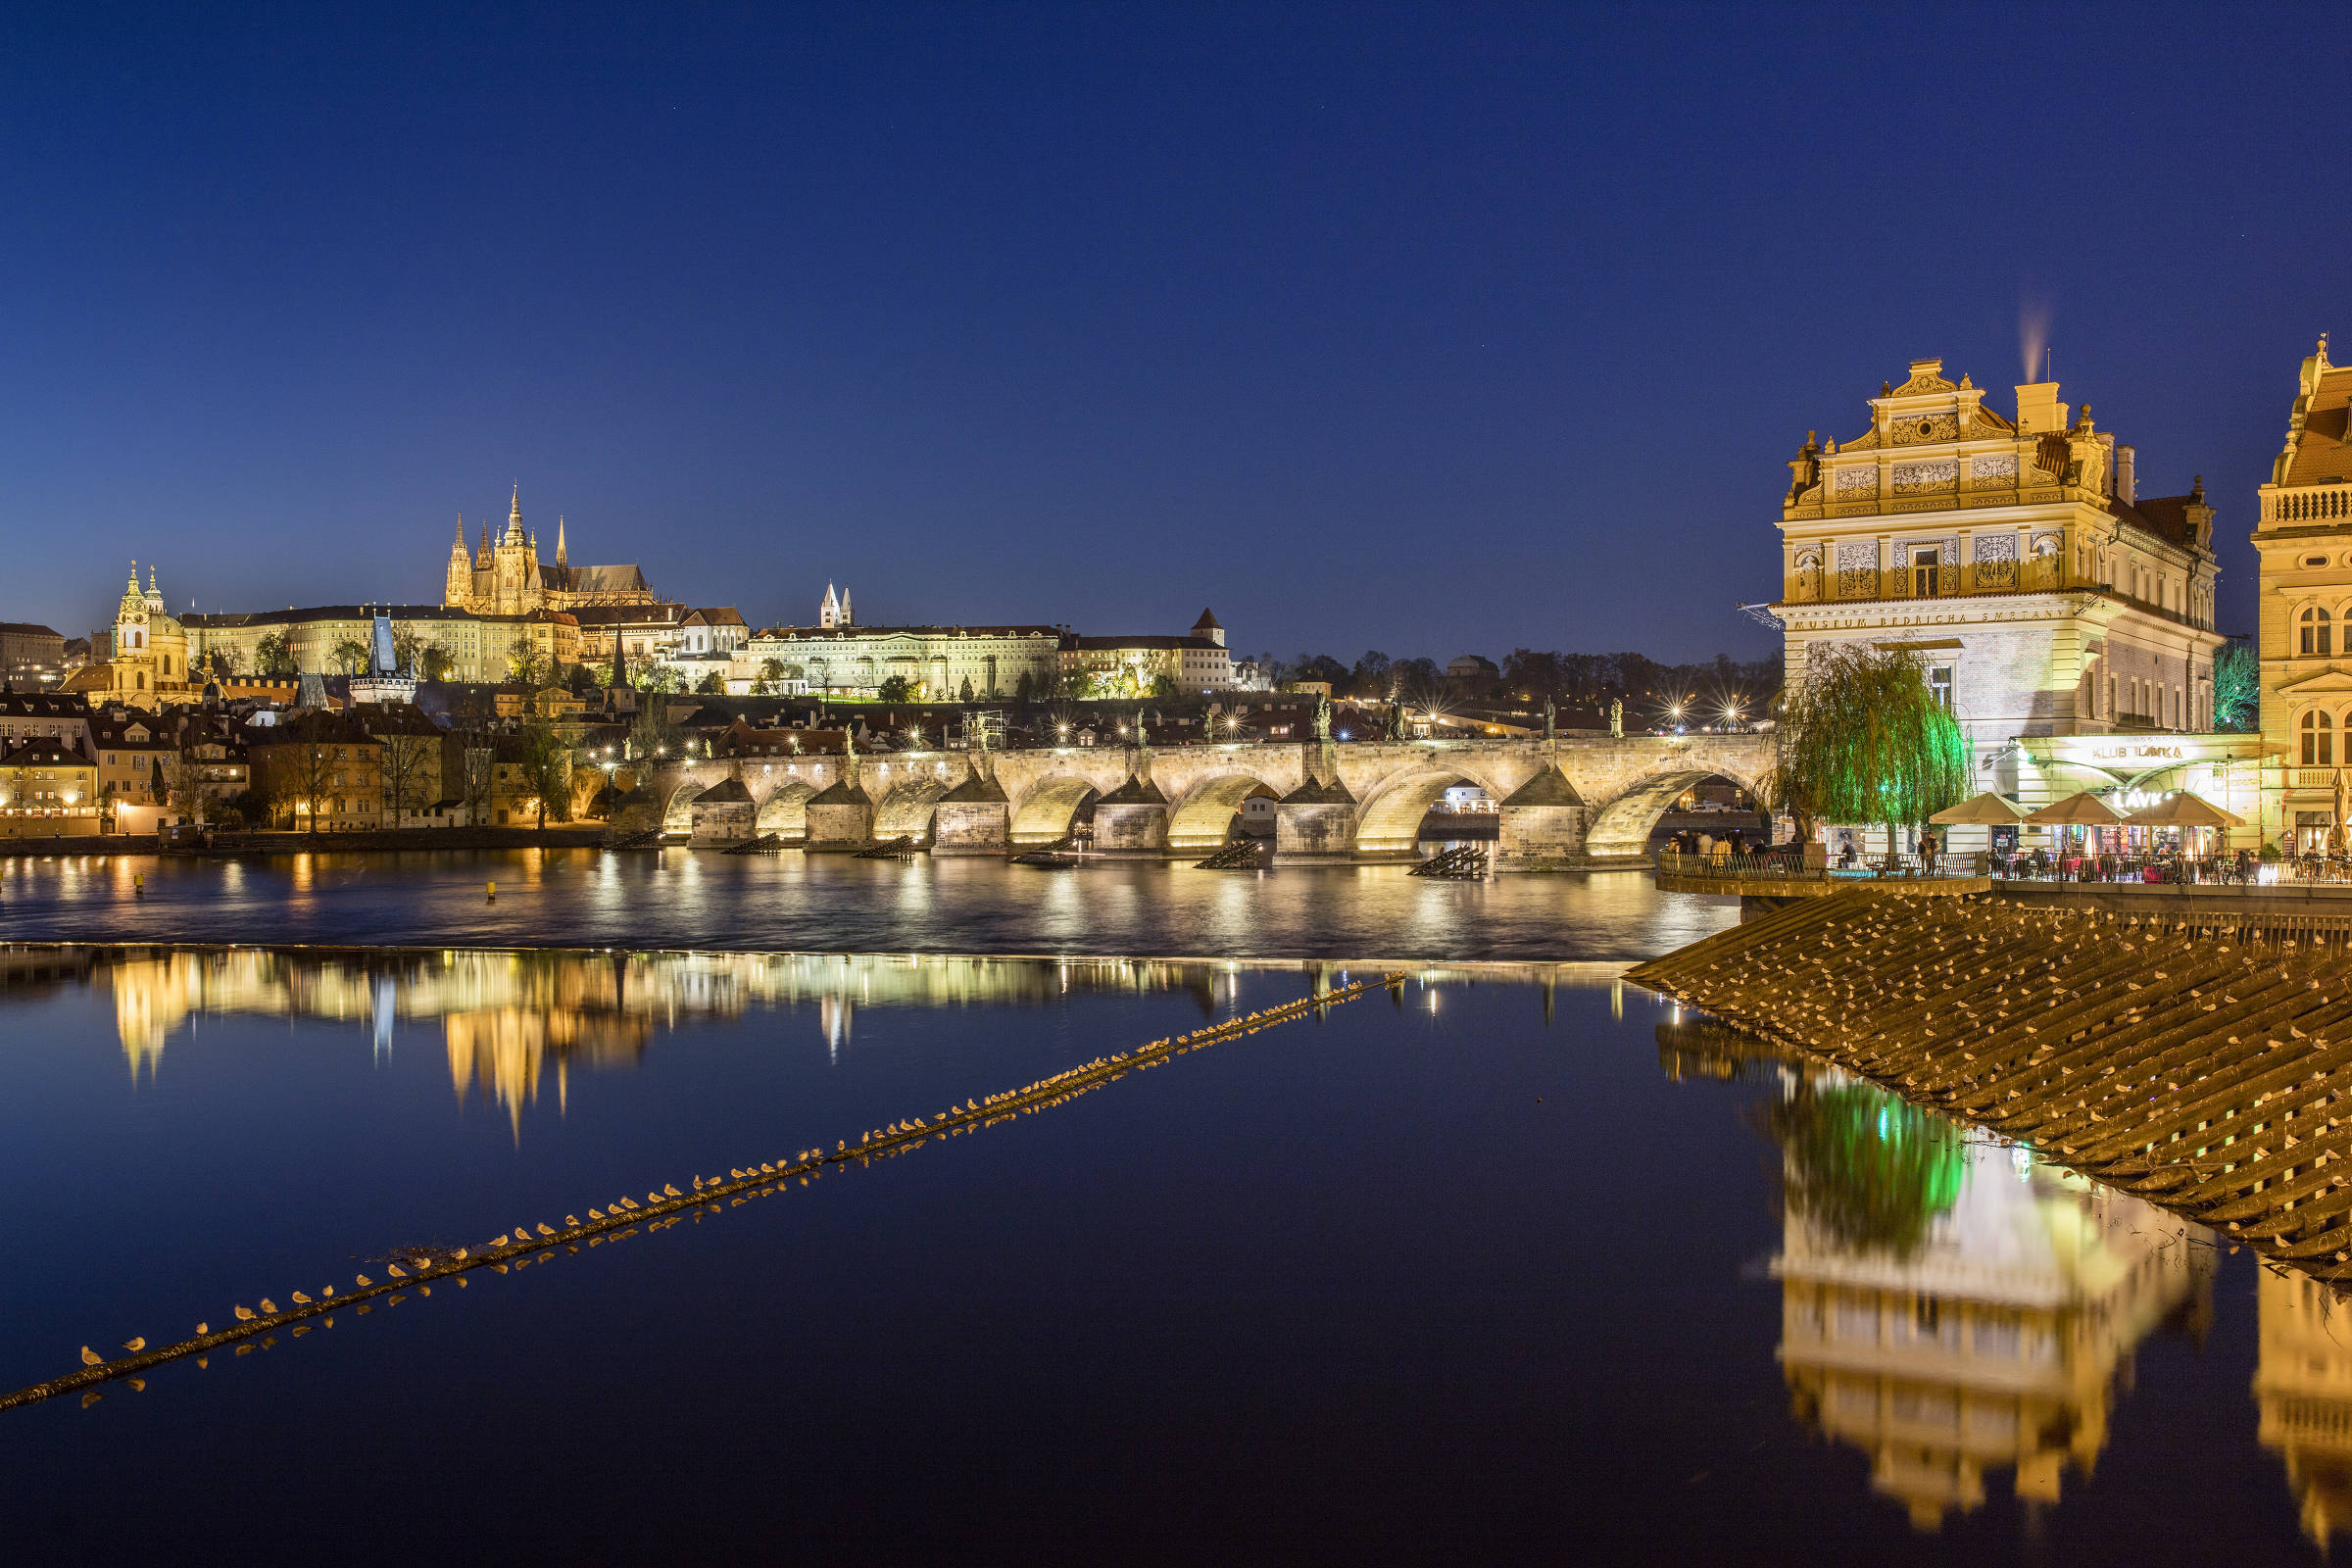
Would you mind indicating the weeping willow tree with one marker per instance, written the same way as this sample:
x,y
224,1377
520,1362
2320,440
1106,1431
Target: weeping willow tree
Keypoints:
x,y
1862,739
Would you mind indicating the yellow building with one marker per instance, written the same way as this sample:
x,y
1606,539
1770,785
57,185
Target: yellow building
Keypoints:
x,y
476,647
48,788
2043,592
2303,1388
507,578
2303,534
148,665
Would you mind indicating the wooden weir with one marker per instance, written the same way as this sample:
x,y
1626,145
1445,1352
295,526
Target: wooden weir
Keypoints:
x,y
2200,1060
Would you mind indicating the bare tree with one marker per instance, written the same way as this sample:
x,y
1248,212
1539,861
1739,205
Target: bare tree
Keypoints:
x,y
411,767
305,776
545,763
477,775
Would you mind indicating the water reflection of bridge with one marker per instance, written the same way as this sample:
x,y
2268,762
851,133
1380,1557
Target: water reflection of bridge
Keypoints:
x,y
1949,1306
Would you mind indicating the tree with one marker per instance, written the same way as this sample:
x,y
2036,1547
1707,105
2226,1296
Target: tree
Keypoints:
x,y
1370,677
652,734
348,657
1163,686
477,775
1864,740
1317,667
527,665
711,685
221,663
433,663
660,678
411,766
545,763
306,778
895,689
1025,690
408,646
272,655
964,694
771,676
2236,687
1871,1171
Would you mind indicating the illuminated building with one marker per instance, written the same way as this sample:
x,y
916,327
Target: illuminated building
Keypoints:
x,y
147,660
2043,593
48,788
507,578
2303,535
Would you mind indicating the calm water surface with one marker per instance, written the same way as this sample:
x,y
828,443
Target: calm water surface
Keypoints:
x,y
682,899
1514,1265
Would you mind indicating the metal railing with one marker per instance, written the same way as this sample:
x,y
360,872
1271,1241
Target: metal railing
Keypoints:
x,y
1788,866
2215,869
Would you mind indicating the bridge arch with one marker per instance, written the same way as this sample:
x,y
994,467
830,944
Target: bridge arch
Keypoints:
x,y
1201,816
906,811
785,810
1624,825
1392,814
677,817
1049,809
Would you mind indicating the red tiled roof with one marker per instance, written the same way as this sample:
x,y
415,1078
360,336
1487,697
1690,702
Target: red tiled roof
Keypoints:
x,y
2325,454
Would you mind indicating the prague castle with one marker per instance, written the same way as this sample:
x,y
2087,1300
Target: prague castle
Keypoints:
x,y
507,578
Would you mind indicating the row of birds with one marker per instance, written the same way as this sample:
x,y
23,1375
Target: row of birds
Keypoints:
x,y
619,1209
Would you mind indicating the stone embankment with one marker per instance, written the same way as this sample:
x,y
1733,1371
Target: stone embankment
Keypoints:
x,y
2200,1062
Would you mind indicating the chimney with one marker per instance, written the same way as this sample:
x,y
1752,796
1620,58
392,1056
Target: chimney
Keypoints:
x,y
2127,487
2038,411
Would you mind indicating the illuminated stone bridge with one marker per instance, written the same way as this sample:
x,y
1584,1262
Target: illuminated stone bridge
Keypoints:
x,y
1582,800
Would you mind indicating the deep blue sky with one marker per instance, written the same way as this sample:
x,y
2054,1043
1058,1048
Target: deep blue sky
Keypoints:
x,y
1429,329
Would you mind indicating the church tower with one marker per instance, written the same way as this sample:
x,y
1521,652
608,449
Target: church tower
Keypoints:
x,y
457,590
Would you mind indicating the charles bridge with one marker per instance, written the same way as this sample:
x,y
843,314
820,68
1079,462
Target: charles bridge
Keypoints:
x,y
1580,799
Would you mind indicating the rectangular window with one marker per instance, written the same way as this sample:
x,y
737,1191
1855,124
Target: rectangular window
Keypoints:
x,y
1923,570
1939,683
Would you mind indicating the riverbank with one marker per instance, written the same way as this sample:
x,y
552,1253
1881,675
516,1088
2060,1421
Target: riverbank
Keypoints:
x,y
563,836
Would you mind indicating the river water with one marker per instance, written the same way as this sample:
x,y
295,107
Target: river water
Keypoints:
x,y
1511,1263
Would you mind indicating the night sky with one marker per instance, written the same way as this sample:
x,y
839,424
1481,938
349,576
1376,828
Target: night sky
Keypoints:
x,y
1426,329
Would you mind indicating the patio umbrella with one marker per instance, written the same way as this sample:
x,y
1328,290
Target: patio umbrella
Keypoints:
x,y
1988,808
2083,809
2184,811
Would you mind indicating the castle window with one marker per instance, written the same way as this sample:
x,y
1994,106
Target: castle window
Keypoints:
x,y
2319,740
2317,635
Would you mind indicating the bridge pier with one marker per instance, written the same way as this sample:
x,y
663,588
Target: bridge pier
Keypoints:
x,y
1133,820
841,816
972,818
1542,826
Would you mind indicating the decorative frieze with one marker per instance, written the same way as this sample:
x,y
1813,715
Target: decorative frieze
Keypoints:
x,y
1910,478
1850,480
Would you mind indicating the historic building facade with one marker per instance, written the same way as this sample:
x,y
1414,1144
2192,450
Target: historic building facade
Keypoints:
x,y
148,662
507,578
2045,596
476,647
1132,665
937,662
2303,535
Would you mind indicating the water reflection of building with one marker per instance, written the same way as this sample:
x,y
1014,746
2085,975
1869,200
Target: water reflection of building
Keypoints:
x,y
1996,1343
2303,1388
506,1016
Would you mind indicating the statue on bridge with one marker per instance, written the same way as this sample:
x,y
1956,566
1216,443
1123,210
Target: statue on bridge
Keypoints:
x,y
1616,718
1323,716
1551,733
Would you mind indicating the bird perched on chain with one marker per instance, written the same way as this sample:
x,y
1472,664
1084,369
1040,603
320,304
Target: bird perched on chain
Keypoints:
x,y
202,1329
596,1213
396,1271
500,1239
269,1307
364,1280
301,1300
545,1229
420,1263
244,1314
134,1345
90,1358
460,1254
571,1222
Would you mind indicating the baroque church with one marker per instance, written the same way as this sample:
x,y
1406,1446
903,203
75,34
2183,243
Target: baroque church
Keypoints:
x,y
507,578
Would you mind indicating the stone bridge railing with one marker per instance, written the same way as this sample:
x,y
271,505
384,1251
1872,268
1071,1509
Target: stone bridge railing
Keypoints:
x,y
1584,799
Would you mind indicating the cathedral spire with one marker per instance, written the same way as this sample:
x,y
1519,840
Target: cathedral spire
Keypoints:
x,y
558,539
514,519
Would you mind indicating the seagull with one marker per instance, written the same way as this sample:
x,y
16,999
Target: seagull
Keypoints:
x,y
365,1280
596,1213
668,1189
545,1229
396,1271
460,1254
500,1239
269,1307
301,1300
244,1314
327,1290
134,1345
420,1263
573,1221
653,1198
202,1329
90,1358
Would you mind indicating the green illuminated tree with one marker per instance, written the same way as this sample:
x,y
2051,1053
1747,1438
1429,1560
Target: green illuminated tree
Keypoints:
x,y
272,655
1871,1171
2236,687
895,689
1862,739
349,655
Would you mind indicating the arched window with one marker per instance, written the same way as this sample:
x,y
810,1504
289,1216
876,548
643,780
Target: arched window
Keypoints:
x,y
2317,639
2319,740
